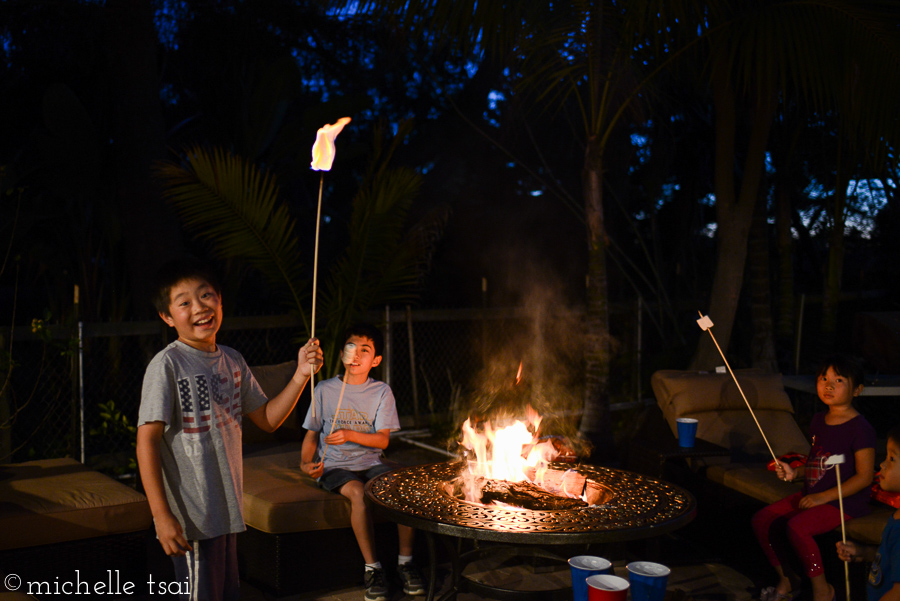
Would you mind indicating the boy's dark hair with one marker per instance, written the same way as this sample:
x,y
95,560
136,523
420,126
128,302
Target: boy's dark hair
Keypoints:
x,y
845,366
894,434
178,270
366,330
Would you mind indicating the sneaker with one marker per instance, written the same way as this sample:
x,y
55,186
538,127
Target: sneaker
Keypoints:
x,y
376,585
413,583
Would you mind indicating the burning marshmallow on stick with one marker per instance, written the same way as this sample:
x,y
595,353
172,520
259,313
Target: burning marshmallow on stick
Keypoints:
x,y
323,152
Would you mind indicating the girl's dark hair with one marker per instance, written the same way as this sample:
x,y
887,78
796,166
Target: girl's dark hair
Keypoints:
x,y
845,366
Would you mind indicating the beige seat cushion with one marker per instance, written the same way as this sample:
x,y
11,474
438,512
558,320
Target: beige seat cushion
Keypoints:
x,y
753,480
279,498
56,500
715,401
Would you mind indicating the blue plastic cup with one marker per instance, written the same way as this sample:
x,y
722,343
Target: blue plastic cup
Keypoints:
x,y
583,567
648,580
687,431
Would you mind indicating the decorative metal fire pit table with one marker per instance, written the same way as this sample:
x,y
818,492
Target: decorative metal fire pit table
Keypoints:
x,y
631,507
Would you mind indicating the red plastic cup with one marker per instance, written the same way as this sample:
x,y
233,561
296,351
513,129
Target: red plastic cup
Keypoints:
x,y
605,587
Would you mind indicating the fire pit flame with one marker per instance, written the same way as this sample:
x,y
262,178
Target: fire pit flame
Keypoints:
x,y
514,454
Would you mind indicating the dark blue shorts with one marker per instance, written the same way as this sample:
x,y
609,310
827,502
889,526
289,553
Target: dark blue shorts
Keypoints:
x,y
332,480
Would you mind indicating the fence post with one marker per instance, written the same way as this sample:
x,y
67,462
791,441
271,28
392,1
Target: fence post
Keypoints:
x,y
386,362
412,365
5,428
484,352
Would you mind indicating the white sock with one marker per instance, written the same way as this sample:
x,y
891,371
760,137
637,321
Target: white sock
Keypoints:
x,y
373,566
402,559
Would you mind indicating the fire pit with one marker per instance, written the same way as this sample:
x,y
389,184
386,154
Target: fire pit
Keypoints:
x,y
627,506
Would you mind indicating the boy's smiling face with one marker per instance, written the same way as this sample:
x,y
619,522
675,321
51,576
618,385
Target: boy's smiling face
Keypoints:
x,y
890,467
363,361
195,311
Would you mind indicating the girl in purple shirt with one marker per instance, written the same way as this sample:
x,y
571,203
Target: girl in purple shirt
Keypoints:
x,y
795,520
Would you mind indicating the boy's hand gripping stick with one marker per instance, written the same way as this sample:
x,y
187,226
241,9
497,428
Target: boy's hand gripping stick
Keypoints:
x,y
706,324
347,358
836,461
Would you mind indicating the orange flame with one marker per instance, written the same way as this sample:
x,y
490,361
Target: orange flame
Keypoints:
x,y
513,453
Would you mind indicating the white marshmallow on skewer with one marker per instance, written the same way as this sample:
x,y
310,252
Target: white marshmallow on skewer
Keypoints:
x,y
706,324
836,461
347,357
349,353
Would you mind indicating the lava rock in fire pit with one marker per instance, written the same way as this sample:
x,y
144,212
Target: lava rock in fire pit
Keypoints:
x,y
526,495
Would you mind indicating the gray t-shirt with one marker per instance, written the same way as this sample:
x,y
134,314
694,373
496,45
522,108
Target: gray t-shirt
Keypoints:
x,y
367,407
201,397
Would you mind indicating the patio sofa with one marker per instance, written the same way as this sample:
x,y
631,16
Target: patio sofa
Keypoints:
x,y
298,536
58,516
723,419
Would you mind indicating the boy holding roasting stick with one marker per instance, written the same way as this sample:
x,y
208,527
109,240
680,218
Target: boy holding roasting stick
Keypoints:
x,y
349,424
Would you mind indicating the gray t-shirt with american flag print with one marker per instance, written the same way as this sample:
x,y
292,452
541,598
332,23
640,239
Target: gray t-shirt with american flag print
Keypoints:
x,y
201,397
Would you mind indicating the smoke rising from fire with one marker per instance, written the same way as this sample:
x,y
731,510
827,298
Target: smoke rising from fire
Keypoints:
x,y
546,346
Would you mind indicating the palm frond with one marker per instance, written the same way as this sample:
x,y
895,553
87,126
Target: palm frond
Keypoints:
x,y
232,204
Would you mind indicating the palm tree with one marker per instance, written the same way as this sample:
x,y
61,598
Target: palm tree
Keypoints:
x,y
235,208
594,56
820,53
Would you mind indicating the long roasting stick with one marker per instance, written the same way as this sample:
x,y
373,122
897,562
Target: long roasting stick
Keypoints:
x,y
322,158
346,358
836,461
312,326
706,324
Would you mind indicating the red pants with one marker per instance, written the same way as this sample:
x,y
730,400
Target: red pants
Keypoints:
x,y
784,521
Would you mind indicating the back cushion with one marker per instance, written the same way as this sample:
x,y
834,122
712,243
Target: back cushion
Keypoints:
x,y
715,401
272,379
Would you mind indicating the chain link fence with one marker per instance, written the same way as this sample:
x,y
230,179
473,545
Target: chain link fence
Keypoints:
x,y
76,391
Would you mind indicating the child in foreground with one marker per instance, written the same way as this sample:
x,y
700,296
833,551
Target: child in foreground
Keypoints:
x,y
791,524
355,439
194,396
884,576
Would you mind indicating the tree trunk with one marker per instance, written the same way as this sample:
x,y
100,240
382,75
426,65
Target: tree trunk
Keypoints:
x,y
595,421
835,270
784,329
762,345
734,211
150,232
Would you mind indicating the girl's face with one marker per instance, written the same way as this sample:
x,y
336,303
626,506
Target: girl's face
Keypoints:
x,y
890,467
835,390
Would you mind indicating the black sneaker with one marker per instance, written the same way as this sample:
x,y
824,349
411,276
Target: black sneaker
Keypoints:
x,y
413,583
376,585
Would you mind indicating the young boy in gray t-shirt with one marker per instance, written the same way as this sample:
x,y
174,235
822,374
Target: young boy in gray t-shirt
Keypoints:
x,y
352,439
194,397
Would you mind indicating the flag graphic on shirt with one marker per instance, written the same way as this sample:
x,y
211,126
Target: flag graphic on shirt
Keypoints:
x,y
214,394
